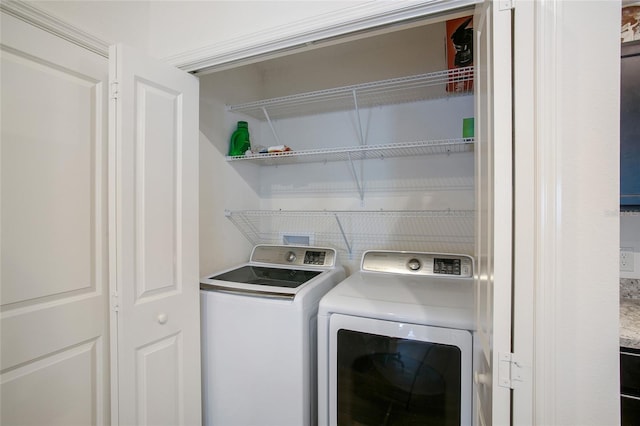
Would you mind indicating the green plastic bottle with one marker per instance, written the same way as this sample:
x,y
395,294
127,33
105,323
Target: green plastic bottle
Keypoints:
x,y
240,140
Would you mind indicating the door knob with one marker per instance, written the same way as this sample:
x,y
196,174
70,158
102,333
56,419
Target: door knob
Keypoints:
x,y
414,264
163,318
481,379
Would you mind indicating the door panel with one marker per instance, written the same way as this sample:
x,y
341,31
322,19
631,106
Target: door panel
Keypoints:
x,y
48,180
54,276
158,114
494,209
158,383
154,122
27,394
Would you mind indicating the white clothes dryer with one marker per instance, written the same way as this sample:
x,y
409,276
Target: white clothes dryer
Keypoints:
x,y
395,342
259,336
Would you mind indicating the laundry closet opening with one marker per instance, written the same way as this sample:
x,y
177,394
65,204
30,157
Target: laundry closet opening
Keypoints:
x,y
369,149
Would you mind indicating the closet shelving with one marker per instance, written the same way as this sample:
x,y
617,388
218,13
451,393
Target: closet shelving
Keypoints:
x,y
361,152
383,92
414,88
353,231
357,230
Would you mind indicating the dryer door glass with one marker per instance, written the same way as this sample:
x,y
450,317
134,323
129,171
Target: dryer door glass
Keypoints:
x,y
395,381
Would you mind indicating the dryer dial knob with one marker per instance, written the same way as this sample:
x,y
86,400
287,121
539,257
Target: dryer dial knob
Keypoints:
x,y
414,264
291,257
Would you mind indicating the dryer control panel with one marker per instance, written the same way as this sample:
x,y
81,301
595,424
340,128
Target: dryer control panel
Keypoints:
x,y
418,263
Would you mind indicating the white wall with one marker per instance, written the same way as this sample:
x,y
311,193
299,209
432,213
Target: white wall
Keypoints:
x,y
213,22
221,245
166,28
388,55
111,21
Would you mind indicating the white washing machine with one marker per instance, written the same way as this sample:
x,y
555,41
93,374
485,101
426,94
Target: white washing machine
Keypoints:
x,y
395,342
259,336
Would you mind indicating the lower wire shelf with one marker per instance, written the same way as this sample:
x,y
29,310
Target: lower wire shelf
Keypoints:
x,y
354,231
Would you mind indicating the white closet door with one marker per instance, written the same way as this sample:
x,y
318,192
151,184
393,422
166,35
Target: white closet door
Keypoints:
x,y
156,342
54,251
494,210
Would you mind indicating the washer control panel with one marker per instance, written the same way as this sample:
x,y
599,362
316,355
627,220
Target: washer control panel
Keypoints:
x,y
417,263
294,255
447,266
315,257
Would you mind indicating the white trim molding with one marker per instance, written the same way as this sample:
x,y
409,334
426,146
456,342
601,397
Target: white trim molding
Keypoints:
x,y
47,22
303,34
524,226
308,33
575,235
548,204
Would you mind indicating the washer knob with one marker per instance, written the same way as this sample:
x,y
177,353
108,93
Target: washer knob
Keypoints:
x,y
291,257
414,264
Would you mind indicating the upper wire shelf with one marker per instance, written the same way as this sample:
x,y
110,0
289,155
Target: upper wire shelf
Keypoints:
x,y
361,152
414,88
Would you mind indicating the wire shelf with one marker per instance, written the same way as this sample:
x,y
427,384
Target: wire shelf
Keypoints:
x,y
384,92
361,152
353,232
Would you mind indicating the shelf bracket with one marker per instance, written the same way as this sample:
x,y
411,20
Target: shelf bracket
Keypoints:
x,y
355,177
355,102
362,143
242,223
273,130
344,236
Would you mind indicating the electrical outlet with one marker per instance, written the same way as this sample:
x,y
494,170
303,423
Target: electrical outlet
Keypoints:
x,y
626,259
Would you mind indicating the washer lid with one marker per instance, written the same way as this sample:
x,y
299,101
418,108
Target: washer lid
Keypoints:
x,y
266,276
264,281
276,271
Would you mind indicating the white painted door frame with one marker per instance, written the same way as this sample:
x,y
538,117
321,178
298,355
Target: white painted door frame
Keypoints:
x,y
566,212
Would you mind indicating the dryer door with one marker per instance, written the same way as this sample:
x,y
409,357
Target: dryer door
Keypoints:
x,y
382,372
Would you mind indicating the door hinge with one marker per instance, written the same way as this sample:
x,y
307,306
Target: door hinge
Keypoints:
x,y
114,91
115,302
510,371
506,4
